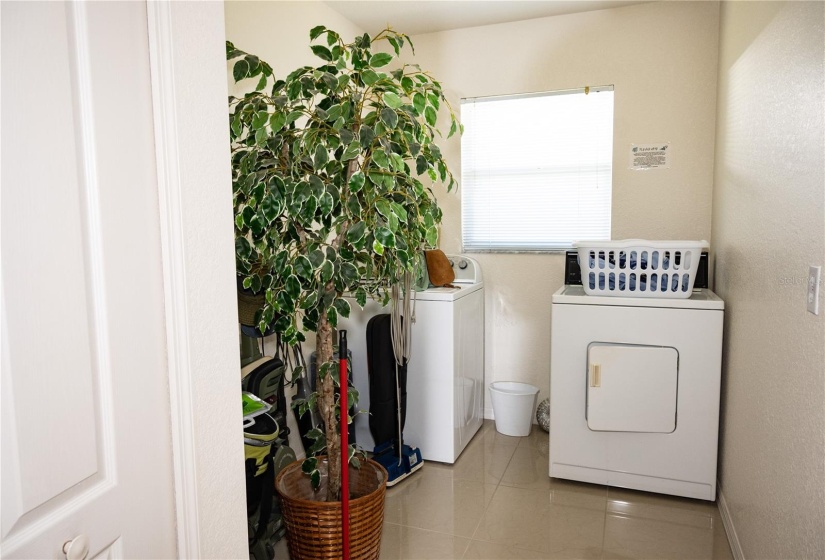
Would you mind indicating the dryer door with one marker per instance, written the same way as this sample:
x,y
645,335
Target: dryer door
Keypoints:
x,y
631,388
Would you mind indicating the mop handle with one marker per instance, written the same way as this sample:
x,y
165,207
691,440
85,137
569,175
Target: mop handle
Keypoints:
x,y
344,388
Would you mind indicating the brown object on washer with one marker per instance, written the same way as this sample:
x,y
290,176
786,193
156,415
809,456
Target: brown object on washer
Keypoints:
x,y
438,267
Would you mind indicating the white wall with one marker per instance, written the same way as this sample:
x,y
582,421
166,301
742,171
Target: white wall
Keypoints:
x,y
768,227
662,59
196,199
278,32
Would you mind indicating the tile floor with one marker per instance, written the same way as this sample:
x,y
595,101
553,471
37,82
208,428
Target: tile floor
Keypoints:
x,y
498,502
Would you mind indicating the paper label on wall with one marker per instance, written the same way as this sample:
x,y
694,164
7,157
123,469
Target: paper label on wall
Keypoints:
x,y
649,156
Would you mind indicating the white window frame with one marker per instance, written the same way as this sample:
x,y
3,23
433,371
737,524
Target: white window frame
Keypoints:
x,y
483,193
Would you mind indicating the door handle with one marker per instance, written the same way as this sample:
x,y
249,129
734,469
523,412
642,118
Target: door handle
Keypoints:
x,y
77,548
595,375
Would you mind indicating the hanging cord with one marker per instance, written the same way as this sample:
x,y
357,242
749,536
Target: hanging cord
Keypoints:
x,y
401,343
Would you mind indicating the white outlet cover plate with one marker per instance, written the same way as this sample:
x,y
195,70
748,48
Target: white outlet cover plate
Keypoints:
x,y
814,273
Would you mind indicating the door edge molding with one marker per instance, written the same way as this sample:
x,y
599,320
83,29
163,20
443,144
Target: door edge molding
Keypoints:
x,y
161,55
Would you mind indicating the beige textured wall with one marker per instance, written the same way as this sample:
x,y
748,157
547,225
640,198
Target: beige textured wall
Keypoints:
x,y
662,59
768,227
278,31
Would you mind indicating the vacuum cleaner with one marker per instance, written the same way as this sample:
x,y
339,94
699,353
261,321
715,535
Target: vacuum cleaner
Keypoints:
x,y
388,344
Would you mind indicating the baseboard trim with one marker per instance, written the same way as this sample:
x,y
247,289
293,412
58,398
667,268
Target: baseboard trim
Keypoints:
x,y
727,521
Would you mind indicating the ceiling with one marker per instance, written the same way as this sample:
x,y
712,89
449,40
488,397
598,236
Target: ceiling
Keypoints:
x,y
413,17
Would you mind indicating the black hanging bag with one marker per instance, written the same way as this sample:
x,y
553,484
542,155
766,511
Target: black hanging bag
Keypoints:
x,y
381,367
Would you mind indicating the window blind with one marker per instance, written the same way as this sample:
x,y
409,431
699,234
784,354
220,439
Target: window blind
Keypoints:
x,y
536,170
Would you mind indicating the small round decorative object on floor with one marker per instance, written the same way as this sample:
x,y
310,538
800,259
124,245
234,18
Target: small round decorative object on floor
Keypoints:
x,y
543,415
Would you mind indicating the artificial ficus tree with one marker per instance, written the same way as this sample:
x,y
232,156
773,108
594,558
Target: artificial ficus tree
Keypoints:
x,y
327,169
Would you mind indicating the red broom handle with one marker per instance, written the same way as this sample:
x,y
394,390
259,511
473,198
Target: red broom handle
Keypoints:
x,y
344,386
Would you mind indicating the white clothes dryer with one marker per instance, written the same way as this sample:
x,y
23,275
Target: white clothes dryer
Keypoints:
x,y
445,375
634,391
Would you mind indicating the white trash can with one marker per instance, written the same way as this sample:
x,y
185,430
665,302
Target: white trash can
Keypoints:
x,y
513,406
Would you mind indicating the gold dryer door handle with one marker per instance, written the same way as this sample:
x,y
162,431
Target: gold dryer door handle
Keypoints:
x,y
595,375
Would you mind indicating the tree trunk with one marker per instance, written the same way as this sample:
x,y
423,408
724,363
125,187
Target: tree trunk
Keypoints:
x,y
326,406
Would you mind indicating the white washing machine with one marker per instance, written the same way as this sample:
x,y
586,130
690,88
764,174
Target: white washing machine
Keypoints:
x,y
445,375
634,391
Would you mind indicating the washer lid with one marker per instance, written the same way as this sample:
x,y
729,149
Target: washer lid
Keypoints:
x,y
448,294
700,299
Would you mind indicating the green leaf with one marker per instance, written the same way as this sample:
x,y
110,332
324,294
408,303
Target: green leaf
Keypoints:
x,y
399,211
421,164
285,302
432,237
261,83
310,300
383,207
321,52
385,237
326,203
303,267
351,151
430,115
240,70
277,121
309,208
442,170
377,247
361,297
332,316
407,84
316,31
419,102
433,99
369,77
334,112
380,158
349,273
292,117
356,232
392,100
259,120
356,182
395,45
317,258
342,305
366,135
326,271
389,117
380,59
453,128
315,480
321,156
271,207
392,222
293,286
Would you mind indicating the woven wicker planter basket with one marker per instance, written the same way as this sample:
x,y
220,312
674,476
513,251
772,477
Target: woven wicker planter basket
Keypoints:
x,y
314,527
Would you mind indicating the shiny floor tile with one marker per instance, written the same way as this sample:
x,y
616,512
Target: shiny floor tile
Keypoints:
x,y
498,502
429,500
408,543
537,520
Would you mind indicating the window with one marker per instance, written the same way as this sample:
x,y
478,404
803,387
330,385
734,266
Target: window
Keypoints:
x,y
536,170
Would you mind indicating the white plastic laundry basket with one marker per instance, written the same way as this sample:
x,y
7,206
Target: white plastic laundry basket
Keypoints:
x,y
639,268
513,406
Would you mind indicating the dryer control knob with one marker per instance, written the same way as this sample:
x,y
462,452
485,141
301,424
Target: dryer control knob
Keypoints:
x,y
452,264
462,264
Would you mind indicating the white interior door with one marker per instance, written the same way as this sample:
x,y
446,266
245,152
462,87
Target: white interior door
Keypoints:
x,y
85,403
631,388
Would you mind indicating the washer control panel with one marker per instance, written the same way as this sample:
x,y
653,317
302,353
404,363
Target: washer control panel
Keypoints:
x,y
467,269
